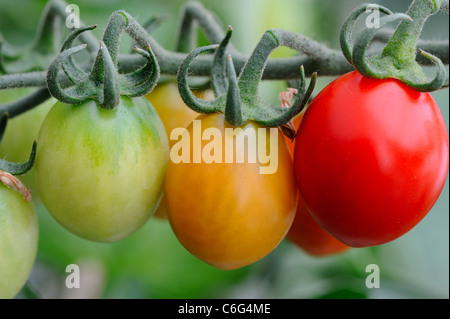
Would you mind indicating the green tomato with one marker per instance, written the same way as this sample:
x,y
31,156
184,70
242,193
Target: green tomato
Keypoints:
x,y
18,241
20,133
23,129
99,172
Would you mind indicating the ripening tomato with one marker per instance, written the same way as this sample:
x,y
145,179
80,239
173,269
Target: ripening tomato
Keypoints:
x,y
23,129
377,158
227,213
18,241
99,172
167,101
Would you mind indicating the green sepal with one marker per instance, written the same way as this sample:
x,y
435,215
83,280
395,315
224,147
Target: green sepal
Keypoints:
x,y
10,167
103,83
398,58
238,96
19,169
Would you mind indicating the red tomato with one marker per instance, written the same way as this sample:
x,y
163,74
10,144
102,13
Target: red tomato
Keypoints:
x,y
305,232
377,158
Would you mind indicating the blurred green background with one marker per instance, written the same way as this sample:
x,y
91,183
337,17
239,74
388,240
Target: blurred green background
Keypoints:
x,y
153,264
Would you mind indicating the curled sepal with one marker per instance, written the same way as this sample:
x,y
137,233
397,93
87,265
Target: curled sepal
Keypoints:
x,y
143,80
359,56
233,106
398,58
196,104
72,95
19,169
238,96
219,68
438,82
104,83
381,67
299,104
73,72
111,93
346,37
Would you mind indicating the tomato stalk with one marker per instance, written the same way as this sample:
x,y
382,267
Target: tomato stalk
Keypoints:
x,y
315,57
404,41
398,58
38,55
194,15
26,103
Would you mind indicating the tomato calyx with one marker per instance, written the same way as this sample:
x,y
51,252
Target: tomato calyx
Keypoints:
x,y
238,96
104,83
398,58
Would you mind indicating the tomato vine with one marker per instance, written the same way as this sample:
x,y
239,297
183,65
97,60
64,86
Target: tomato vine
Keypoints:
x,y
314,56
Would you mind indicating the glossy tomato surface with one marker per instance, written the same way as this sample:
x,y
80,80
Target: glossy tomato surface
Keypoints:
x,y
305,232
377,158
100,173
20,133
229,214
18,241
172,110
174,113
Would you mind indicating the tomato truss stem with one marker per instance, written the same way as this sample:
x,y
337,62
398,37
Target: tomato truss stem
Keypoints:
x,y
398,58
314,56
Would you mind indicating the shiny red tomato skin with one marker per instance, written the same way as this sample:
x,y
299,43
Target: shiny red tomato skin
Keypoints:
x,y
377,158
306,233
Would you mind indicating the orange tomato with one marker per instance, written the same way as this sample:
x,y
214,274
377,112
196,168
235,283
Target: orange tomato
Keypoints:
x,y
174,113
